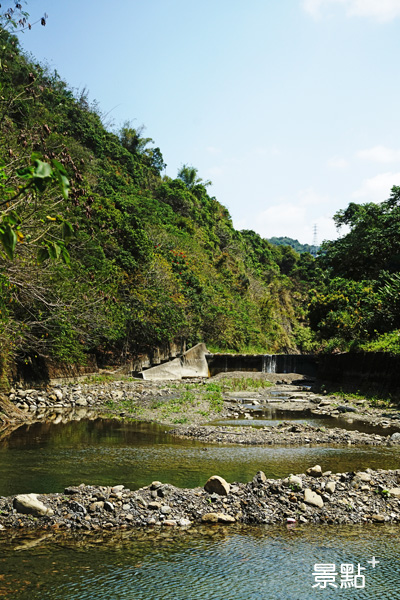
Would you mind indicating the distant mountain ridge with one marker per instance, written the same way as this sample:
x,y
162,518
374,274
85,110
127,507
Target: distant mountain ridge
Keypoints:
x,y
295,244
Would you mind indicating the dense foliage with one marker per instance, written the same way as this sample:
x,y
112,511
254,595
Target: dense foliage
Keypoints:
x,y
295,244
356,304
101,254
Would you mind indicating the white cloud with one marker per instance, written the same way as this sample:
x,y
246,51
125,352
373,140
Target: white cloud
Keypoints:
x,y
377,189
380,10
295,219
309,197
380,154
337,163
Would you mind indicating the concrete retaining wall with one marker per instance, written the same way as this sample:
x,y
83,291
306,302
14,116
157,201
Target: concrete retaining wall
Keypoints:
x,y
377,372
192,363
264,363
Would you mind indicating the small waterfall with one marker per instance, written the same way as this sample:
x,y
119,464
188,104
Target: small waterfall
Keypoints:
x,y
269,363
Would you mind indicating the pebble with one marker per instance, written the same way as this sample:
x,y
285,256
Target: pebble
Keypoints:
x,y
260,501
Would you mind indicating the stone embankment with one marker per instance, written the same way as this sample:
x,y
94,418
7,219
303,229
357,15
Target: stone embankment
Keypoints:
x,y
92,395
286,434
313,497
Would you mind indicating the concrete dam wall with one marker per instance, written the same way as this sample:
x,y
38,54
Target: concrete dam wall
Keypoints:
x,y
373,372
303,364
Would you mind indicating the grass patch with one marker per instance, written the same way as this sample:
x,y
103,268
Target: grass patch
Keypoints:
x,y
181,421
372,399
241,384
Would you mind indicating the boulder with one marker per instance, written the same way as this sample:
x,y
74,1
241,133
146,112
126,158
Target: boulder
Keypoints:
x,y
217,485
295,481
210,518
223,518
315,471
330,487
312,498
28,504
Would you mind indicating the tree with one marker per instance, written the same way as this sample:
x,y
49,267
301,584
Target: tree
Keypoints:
x,y
373,243
135,143
14,18
188,175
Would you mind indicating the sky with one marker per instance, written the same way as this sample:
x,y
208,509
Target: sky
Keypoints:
x,y
289,107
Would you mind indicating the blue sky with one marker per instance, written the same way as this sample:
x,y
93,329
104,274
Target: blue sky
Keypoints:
x,y
290,107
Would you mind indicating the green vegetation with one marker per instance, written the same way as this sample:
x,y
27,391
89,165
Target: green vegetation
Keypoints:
x,y
102,255
371,397
295,244
241,384
356,303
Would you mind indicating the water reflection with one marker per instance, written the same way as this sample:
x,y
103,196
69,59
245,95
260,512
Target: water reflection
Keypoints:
x,y
208,563
46,457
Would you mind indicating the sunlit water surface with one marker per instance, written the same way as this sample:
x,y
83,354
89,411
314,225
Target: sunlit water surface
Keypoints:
x,y
210,563
46,457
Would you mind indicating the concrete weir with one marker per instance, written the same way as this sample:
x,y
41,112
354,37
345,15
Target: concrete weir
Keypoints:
x,y
263,363
198,362
192,363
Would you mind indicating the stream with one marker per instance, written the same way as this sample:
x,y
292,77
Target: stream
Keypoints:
x,y
210,562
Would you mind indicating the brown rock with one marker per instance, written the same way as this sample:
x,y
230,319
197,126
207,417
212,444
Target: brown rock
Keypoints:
x,y
210,518
217,485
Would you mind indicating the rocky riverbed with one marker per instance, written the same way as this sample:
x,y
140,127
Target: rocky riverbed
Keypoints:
x,y
312,497
284,434
193,401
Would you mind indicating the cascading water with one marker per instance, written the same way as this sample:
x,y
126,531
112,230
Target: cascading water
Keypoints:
x,y
269,363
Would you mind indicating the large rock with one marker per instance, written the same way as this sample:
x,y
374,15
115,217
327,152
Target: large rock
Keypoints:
x,y
217,485
295,481
210,518
28,504
312,498
362,476
330,487
315,471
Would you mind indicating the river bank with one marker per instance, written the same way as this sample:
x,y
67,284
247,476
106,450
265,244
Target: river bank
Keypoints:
x,y
311,497
197,402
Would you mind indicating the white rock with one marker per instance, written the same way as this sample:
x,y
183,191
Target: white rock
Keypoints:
x,y
28,504
315,471
295,481
330,487
312,498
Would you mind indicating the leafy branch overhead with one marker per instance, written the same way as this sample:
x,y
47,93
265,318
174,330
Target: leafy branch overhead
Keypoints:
x,y
20,194
16,19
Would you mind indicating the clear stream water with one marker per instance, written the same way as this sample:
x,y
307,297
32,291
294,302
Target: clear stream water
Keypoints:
x,y
216,563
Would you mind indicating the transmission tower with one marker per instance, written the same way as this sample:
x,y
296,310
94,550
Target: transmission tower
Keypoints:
x,y
315,242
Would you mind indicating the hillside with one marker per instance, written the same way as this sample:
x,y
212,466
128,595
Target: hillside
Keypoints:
x,y
103,255
295,244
